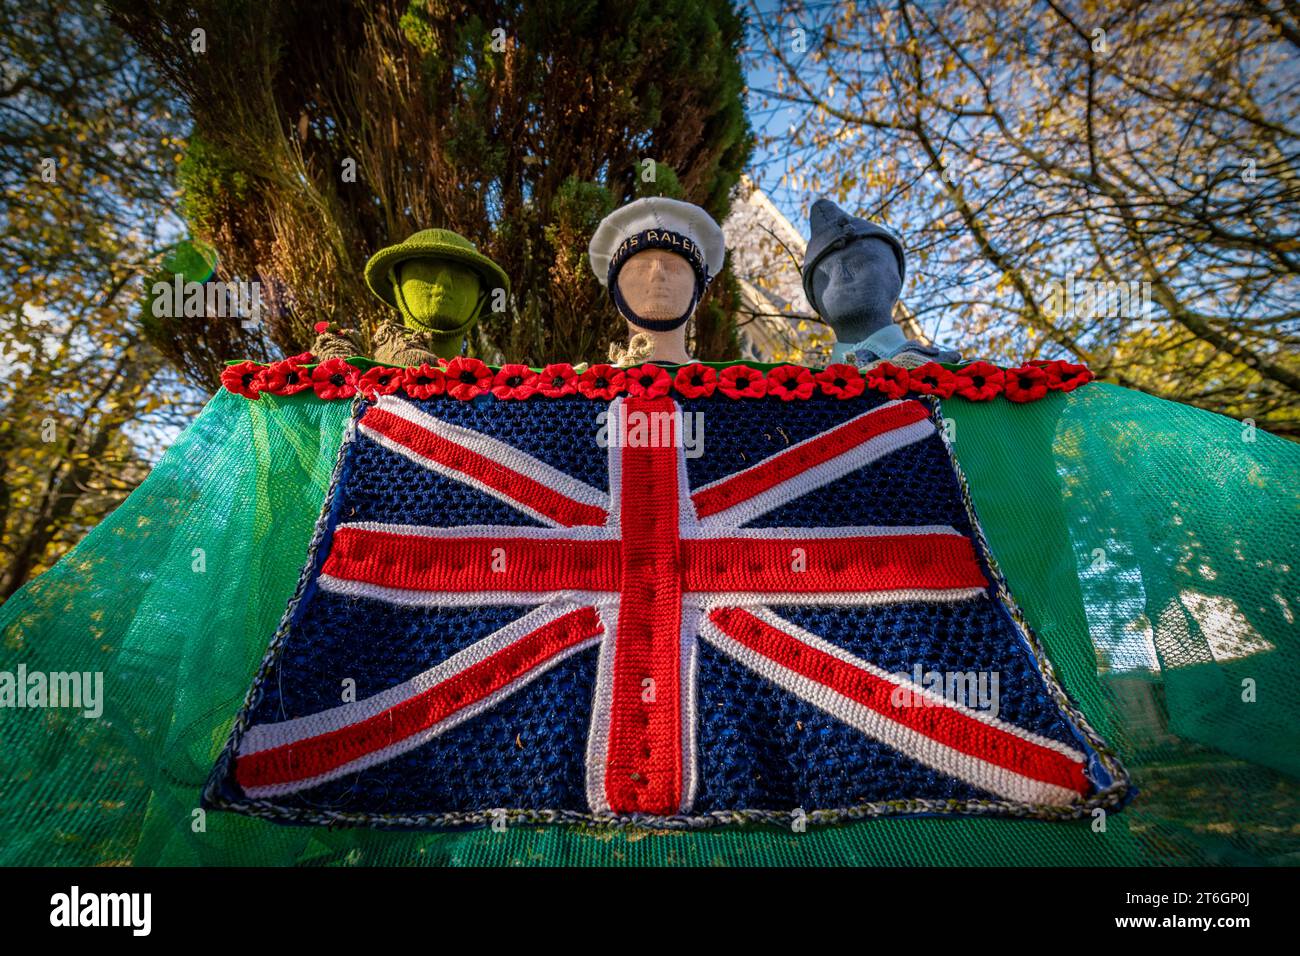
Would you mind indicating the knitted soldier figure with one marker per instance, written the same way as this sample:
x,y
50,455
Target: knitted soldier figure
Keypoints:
x,y
853,272
439,283
656,256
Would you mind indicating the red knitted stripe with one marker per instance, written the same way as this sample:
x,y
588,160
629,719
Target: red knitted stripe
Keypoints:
x,y
423,563
314,756
518,487
644,764
772,471
946,725
879,563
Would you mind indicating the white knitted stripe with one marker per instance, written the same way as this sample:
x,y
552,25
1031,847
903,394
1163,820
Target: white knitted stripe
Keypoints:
x,y
687,520
494,531
752,599
805,481
687,711
846,531
947,760
266,736
615,455
602,706
412,598
498,451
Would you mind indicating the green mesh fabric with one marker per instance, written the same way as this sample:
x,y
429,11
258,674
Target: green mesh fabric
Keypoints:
x,y
1152,546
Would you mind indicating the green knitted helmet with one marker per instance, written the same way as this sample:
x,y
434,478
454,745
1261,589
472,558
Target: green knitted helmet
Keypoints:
x,y
431,244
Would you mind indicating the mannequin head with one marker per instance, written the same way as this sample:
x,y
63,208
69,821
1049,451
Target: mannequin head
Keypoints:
x,y
439,282
855,287
657,257
440,295
659,285
853,272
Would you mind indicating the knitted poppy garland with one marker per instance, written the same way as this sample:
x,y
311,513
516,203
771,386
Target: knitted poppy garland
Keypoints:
x,y
466,378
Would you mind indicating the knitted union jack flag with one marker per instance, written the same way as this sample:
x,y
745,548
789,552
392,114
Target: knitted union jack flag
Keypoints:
x,y
676,611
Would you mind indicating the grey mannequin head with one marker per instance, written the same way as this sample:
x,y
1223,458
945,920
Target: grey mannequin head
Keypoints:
x,y
855,287
853,273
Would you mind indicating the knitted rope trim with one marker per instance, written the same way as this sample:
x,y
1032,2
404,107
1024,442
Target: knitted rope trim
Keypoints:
x,y
1113,796
467,378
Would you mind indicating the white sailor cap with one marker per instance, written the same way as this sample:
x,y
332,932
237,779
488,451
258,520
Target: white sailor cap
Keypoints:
x,y
658,223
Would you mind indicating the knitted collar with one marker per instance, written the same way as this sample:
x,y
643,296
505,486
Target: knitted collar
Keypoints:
x,y
883,343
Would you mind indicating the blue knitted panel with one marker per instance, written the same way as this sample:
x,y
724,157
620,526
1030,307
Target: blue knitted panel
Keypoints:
x,y
735,437
387,483
525,753
548,429
762,747
322,649
912,485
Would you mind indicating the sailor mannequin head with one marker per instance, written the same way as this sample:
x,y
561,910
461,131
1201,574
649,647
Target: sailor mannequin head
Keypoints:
x,y
657,256
659,285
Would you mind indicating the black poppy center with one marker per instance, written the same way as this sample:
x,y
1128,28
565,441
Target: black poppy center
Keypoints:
x,y
469,378
248,379
977,381
423,380
514,381
557,382
337,379
742,383
602,383
291,378
647,380
841,383
697,380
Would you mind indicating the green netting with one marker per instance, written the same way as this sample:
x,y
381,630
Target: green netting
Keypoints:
x,y
1153,547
